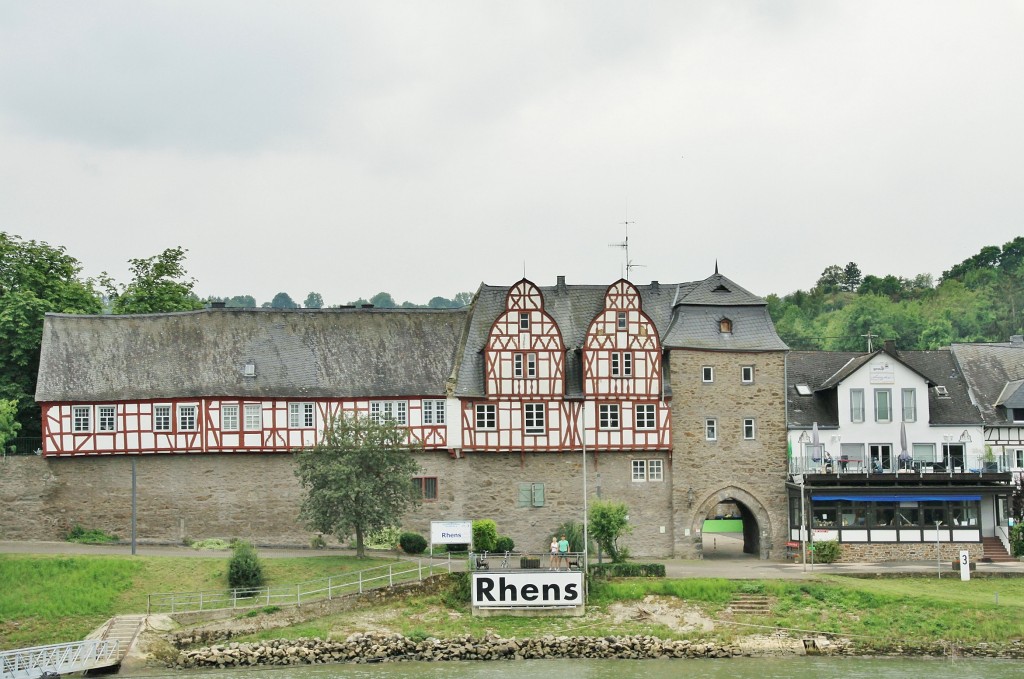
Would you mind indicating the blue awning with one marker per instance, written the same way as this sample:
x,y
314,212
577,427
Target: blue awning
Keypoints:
x,y
946,497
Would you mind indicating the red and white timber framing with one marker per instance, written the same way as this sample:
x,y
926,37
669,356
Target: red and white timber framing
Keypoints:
x,y
525,407
224,425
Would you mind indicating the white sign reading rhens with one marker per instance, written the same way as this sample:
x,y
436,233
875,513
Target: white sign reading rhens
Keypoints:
x,y
451,532
528,589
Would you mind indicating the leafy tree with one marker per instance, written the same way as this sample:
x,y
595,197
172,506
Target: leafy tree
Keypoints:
x,y
462,299
238,301
245,572
358,479
9,424
35,278
439,303
158,284
314,301
383,300
608,522
831,279
283,300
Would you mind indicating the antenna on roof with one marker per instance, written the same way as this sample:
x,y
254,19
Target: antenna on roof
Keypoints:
x,y
869,336
625,246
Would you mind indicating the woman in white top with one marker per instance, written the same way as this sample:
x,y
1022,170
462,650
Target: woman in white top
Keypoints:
x,y
553,564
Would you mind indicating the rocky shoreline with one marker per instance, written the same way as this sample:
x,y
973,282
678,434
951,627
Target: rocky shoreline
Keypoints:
x,y
384,647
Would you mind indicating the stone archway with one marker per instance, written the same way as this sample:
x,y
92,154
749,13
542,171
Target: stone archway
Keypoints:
x,y
757,525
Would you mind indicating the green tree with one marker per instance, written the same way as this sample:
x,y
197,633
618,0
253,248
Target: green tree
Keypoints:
x,y
831,279
9,424
35,278
358,479
242,302
283,300
314,301
608,522
159,284
851,277
383,300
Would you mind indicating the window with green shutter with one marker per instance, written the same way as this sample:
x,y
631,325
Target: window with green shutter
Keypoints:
x,y
531,495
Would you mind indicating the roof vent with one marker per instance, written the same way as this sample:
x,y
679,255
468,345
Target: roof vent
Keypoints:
x,y
721,288
366,306
803,389
250,369
940,390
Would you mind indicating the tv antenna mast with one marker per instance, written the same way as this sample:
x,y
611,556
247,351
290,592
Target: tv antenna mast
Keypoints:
x,y
624,245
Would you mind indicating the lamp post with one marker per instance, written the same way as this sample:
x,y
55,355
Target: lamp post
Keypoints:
x,y
938,549
583,442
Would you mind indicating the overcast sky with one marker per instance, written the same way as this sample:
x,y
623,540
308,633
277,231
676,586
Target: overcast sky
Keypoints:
x,y
422,148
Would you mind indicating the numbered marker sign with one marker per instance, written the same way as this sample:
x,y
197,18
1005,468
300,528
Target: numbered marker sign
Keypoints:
x,y
965,565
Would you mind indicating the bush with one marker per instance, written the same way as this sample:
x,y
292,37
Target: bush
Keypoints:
x,y
627,570
573,532
1017,539
826,551
458,592
385,538
504,544
318,542
485,535
92,536
244,569
412,543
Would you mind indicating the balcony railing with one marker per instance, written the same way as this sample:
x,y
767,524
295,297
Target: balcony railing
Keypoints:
x,y
866,466
517,561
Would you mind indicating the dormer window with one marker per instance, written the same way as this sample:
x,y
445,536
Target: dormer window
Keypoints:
x,y
1016,414
249,370
941,390
725,326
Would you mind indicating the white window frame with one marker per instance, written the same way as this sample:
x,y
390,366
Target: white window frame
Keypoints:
x,y
645,416
655,470
433,411
524,320
106,418
253,416
908,401
301,415
887,393
531,366
622,364
621,320
229,417
857,405
517,365
486,416
707,374
710,429
162,418
609,416
639,471
188,417
534,420
1018,457
81,419
749,429
746,374
390,411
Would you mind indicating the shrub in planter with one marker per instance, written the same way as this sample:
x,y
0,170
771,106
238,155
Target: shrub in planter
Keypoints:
x,y
412,543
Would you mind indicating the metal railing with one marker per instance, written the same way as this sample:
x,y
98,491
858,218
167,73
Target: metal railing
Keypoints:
x,y
515,561
31,663
295,595
844,465
24,445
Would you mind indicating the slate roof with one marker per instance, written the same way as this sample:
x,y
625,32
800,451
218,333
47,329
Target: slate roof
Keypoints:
x,y
988,368
823,371
297,353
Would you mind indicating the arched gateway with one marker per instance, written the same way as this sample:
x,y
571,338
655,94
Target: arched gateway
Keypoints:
x,y
757,525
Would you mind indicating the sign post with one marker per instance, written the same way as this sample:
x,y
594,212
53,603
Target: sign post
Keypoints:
x,y
965,565
451,533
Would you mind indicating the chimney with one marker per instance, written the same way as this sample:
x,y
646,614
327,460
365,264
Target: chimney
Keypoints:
x,y
655,287
560,284
890,347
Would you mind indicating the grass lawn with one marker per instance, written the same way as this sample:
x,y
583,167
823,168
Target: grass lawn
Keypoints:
x,y
55,599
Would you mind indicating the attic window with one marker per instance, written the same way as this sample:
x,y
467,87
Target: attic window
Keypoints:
x,y
721,288
725,325
941,390
249,370
803,390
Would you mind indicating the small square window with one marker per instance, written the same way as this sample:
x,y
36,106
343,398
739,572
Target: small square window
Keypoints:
x,y
747,374
646,416
161,418
608,416
187,418
710,429
433,411
533,418
106,418
725,326
427,486
253,417
639,470
655,471
486,416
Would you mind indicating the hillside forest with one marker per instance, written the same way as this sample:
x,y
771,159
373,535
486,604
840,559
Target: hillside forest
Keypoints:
x,y
977,300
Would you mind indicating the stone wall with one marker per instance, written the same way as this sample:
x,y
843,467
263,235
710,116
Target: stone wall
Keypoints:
x,y
908,551
706,473
257,497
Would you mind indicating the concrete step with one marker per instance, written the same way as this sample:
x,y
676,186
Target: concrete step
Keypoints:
x,y
750,604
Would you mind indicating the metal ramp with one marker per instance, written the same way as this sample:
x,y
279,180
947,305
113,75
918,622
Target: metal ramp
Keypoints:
x,y
32,663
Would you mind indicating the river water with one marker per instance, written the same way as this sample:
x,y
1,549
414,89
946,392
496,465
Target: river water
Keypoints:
x,y
733,668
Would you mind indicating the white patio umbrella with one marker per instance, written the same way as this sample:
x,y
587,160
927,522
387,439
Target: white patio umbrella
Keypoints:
x,y
905,456
815,444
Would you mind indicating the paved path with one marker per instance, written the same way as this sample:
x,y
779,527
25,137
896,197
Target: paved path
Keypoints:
x,y
726,565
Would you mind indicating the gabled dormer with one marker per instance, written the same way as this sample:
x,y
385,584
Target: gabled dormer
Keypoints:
x,y
621,350
525,354
1011,401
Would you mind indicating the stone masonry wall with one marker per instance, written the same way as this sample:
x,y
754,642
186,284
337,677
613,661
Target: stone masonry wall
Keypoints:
x,y
752,472
257,497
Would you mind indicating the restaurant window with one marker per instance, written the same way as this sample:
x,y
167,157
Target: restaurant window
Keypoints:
x,y
824,515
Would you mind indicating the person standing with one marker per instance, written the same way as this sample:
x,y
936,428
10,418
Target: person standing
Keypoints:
x,y
553,563
563,552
